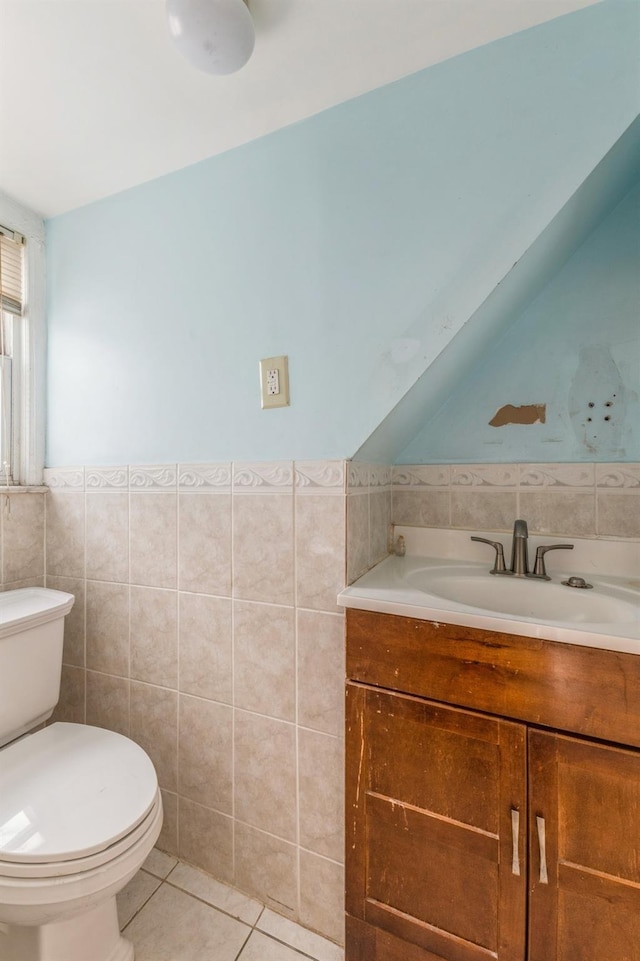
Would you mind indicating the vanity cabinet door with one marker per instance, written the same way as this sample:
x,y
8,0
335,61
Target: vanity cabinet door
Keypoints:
x,y
584,815
436,832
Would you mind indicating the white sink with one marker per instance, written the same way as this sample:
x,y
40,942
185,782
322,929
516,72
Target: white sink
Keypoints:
x,y
445,577
525,596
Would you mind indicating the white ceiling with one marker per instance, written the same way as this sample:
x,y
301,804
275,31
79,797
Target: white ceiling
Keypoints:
x,y
94,98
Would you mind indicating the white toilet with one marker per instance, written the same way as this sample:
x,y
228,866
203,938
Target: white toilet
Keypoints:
x,y
80,807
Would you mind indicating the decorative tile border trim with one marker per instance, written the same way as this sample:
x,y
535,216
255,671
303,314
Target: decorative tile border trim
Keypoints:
x,y
205,477
319,477
484,475
618,476
316,476
380,476
557,475
160,477
358,476
421,476
576,477
363,477
64,478
274,477
106,478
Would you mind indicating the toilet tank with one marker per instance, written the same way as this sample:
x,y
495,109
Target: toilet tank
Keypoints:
x,y
31,631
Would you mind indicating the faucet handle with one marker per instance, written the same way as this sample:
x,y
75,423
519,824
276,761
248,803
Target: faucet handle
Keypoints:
x,y
499,567
539,569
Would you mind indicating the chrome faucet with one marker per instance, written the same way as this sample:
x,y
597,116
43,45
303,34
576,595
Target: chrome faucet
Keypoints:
x,y
519,554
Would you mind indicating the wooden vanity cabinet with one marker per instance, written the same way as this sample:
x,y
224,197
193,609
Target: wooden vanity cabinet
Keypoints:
x,y
483,834
430,793
585,798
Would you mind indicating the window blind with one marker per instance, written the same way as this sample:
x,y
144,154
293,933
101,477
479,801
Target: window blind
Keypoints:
x,y
11,271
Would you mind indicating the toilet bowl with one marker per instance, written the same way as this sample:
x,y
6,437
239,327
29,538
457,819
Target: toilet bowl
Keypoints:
x,y
80,807
80,810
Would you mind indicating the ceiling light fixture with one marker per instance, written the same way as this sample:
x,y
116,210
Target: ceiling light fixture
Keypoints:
x,y
216,36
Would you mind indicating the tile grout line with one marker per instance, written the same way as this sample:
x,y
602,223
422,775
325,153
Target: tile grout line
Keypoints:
x,y
177,649
129,597
84,585
294,545
232,546
214,907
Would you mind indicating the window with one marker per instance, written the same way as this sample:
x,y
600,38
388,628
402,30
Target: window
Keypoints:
x,y
22,345
11,311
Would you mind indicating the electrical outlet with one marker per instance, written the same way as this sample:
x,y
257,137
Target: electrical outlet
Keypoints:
x,y
274,382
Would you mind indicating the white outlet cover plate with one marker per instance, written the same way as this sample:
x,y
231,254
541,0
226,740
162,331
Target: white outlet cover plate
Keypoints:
x,y
281,399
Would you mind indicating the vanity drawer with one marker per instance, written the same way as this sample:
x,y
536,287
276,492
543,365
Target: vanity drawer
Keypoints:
x,y
582,690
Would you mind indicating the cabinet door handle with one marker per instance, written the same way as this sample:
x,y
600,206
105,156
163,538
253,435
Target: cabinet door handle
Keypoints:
x,y
542,843
515,841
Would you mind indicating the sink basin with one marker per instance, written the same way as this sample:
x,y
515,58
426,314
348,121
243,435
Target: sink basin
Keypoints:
x,y
437,580
525,597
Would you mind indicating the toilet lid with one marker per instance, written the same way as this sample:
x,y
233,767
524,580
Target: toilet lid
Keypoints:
x,y
69,791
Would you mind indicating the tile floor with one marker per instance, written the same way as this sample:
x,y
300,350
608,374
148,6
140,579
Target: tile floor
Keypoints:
x,y
172,912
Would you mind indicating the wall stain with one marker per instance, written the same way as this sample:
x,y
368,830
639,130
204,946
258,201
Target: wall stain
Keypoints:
x,y
598,402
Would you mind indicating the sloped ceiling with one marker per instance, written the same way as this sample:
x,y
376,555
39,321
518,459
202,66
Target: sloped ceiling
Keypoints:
x,y
403,435
94,99
449,339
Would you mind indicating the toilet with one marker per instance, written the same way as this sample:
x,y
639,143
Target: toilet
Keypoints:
x,y
80,807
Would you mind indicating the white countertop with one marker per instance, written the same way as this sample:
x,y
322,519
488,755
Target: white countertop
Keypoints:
x,y
387,589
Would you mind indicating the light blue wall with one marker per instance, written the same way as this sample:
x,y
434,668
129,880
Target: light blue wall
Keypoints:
x,y
357,242
578,343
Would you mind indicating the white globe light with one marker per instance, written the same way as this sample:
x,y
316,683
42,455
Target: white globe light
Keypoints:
x,y
216,36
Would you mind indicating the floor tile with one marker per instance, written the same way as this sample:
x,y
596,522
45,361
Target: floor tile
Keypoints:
x,y
299,938
159,863
221,896
173,926
134,895
261,948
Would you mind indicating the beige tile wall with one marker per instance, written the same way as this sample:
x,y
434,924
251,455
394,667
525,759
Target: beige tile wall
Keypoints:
x,y
579,500
206,628
368,516
21,539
